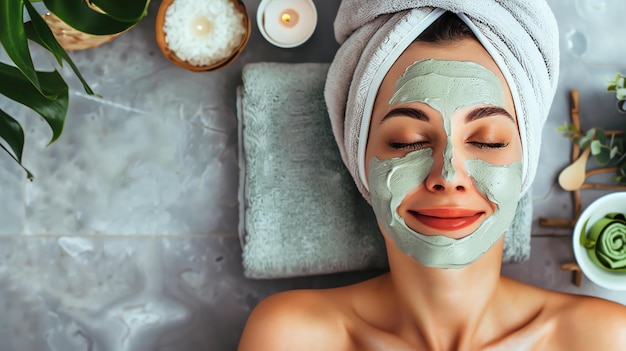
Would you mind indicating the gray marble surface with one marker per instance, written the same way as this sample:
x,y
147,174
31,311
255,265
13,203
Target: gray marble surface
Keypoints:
x,y
127,238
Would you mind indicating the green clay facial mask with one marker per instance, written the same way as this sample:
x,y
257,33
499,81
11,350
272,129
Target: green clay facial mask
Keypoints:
x,y
446,86
392,179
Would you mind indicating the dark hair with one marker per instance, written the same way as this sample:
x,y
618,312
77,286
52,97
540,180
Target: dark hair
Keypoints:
x,y
449,27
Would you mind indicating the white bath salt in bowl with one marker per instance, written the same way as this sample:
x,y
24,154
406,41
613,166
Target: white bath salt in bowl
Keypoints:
x,y
202,33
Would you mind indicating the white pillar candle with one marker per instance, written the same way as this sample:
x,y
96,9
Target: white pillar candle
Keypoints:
x,y
287,23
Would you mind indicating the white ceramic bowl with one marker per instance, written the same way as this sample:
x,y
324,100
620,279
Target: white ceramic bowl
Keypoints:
x,y
614,202
260,19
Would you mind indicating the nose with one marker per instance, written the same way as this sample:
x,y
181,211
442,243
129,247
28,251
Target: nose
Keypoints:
x,y
448,173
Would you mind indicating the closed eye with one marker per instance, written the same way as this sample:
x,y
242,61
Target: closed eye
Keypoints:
x,y
488,145
408,146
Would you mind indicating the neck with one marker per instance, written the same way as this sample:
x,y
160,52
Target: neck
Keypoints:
x,y
448,307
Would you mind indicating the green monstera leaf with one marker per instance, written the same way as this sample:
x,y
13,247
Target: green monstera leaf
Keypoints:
x,y
46,92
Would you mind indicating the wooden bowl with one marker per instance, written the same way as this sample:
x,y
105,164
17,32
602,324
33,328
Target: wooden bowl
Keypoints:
x,y
171,55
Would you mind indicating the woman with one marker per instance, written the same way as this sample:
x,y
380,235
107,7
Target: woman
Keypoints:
x,y
443,170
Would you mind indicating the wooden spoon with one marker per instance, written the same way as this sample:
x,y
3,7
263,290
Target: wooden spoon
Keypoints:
x,y
573,176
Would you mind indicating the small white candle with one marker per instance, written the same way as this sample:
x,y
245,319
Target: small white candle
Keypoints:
x,y
287,23
200,26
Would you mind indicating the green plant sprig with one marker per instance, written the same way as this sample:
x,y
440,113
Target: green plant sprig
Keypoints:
x,y
607,150
618,86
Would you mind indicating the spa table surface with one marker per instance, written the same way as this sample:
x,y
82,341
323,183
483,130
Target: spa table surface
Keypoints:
x,y
127,238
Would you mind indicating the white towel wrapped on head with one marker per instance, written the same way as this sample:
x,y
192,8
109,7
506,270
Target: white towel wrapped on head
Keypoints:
x,y
520,35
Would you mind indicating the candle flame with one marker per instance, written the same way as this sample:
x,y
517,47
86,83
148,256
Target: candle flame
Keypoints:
x,y
288,18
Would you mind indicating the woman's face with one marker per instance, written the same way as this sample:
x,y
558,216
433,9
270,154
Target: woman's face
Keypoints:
x,y
424,104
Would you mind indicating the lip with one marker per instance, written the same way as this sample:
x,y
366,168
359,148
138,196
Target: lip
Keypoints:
x,y
448,219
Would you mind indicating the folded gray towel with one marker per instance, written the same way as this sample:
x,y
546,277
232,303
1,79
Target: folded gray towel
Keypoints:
x,y
300,211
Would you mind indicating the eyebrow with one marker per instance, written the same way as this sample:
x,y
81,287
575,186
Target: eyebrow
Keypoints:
x,y
406,112
476,114
487,111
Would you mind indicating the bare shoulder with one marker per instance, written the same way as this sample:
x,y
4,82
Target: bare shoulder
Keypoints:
x,y
590,323
571,322
296,320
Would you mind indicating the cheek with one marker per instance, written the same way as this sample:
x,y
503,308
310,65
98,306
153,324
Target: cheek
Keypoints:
x,y
376,147
370,152
392,179
501,184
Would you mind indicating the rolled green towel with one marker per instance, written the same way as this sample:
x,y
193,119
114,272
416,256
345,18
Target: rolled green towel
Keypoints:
x,y
606,242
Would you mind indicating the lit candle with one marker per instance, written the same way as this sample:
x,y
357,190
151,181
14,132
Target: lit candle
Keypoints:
x,y
200,26
287,23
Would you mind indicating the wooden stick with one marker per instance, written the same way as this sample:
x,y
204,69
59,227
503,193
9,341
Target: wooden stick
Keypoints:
x,y
577,208
602,186
578,274
575,114
600,170
556,222
574,109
